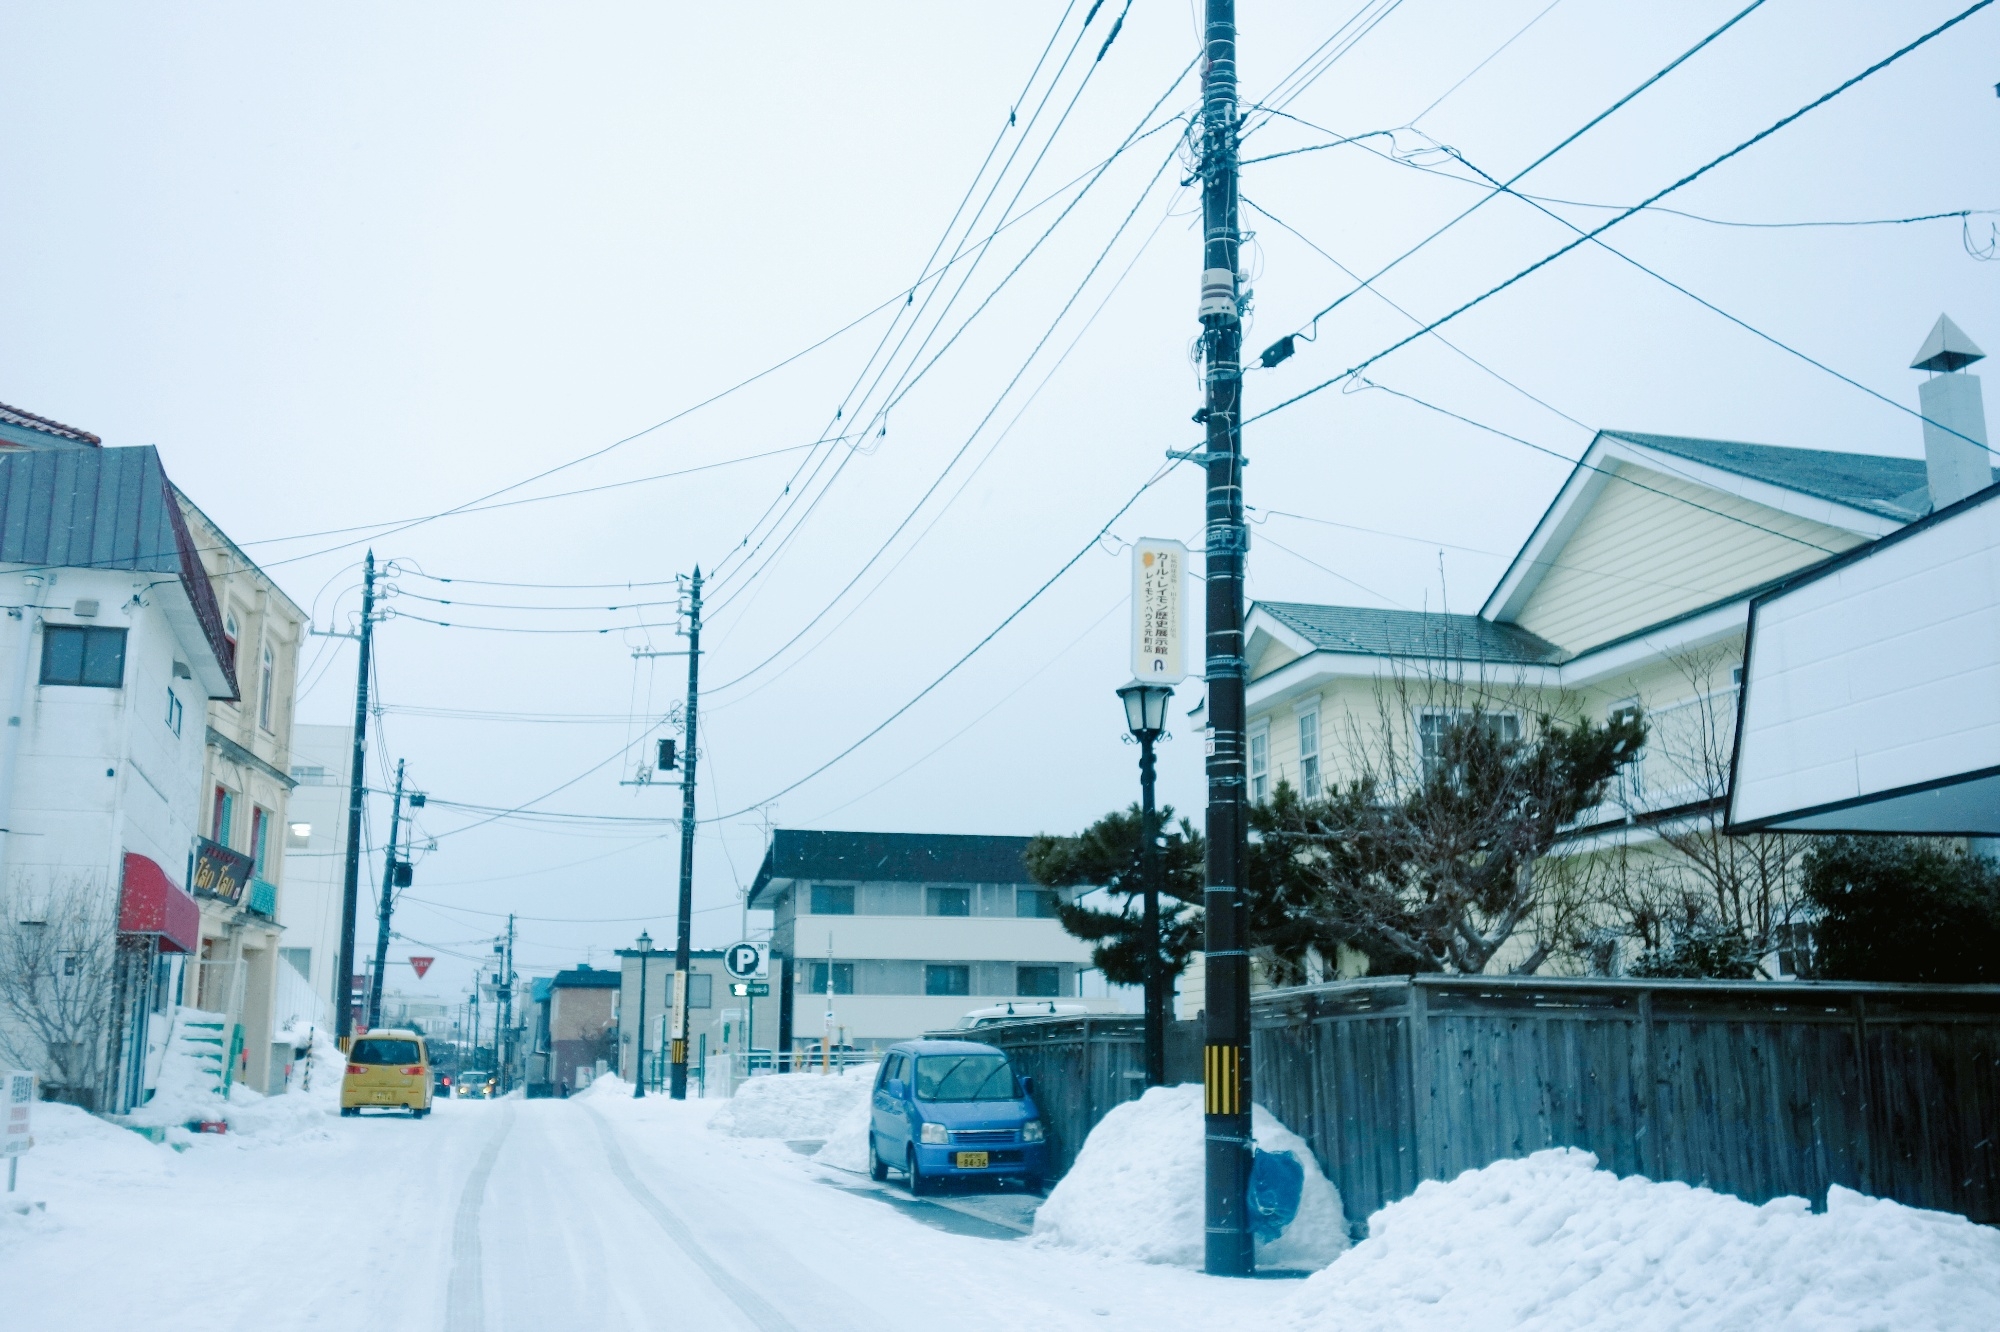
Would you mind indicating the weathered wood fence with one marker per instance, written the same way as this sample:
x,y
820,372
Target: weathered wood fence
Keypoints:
x,y
1759,1089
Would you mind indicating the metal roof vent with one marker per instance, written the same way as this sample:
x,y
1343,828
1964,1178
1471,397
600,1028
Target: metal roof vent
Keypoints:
x,y
1946,349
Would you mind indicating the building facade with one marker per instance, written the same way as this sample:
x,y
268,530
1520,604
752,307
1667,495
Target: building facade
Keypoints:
x,y
309,908
582,1026
1631,594
111,650
879,937
245,791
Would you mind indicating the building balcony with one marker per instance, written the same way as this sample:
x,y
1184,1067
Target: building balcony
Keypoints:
x,y
262,899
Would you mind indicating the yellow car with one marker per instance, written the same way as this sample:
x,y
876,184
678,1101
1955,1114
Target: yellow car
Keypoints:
x,y
387,1069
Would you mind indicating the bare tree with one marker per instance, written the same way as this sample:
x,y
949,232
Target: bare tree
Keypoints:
x,y
58,970
1700,902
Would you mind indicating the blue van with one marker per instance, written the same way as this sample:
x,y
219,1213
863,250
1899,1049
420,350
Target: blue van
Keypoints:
x,y
954,1110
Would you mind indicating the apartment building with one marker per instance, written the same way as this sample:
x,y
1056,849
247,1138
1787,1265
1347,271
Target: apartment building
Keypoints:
x,y
877,937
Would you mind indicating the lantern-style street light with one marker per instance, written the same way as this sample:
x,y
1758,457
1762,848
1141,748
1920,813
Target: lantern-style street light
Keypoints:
x,y
1146,718
639,1037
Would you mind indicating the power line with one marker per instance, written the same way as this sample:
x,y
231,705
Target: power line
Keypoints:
x,y
1567,140
971,652
1692,176
1467,78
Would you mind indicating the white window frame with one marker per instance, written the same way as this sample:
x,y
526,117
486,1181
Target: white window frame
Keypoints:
x,y
1307,715
267,677
1259,760
1449,715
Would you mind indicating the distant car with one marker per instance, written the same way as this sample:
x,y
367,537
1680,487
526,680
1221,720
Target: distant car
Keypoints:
x,y
945,1110
477,1084
1020,1008
387,1069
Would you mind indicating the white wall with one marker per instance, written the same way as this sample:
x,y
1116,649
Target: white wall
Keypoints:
x,y
309,908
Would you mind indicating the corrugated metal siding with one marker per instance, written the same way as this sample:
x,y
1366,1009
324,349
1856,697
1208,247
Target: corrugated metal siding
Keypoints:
x,y
87,508
1640,557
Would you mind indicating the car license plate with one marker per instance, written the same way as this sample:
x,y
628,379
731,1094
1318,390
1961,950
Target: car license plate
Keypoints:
x,y
380,1096
972,1160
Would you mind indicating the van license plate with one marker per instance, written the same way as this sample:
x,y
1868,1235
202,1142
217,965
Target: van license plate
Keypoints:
x,y
972,1160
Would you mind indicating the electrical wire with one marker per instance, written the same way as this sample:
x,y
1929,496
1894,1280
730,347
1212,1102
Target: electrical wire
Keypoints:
x,y
1687,179
971,652
1484,63
1566,141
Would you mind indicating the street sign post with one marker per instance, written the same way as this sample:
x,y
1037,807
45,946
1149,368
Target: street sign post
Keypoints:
x,y
746,960
17,1099
1159,581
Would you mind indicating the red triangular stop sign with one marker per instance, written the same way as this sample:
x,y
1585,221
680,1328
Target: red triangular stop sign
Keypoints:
x,y
421,964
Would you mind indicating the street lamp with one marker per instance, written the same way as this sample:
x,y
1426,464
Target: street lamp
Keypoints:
x,y
639,1037
1146,718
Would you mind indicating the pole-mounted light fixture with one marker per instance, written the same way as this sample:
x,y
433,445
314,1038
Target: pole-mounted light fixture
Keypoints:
x,y
1145,707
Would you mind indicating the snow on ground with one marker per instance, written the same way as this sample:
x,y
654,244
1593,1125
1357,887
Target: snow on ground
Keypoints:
x,y
1553,1243
1136,1192
796,1106
582,1212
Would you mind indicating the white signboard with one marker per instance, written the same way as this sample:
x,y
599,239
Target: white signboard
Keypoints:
x,y
1871,701
747,961
1159,582
17,1099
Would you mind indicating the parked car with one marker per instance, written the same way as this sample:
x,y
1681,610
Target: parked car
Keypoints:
x,y
477,1083
387,1069
945,1110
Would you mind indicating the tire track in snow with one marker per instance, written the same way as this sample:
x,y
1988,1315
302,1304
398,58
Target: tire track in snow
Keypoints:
x,y
465,1293
758,1310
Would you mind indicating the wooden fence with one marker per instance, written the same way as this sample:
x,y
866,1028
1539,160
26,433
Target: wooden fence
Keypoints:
x,y
1759,1089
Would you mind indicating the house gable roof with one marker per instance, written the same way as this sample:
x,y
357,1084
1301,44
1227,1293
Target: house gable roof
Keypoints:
x,y
586,977
882,857
1865,494
114,509
1399,633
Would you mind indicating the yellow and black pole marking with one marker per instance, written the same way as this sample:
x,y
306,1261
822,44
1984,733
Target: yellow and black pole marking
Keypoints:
x,y
1222,1079
678,1052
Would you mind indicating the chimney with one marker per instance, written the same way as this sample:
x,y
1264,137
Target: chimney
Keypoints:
x,y
1955,456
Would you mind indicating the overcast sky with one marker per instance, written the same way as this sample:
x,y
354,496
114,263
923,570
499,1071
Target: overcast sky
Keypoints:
x,y
352,264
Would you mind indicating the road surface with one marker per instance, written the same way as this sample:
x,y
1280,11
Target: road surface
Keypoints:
x,y
535,1216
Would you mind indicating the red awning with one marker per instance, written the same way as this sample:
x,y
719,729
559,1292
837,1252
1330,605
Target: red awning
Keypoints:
x,y
152,903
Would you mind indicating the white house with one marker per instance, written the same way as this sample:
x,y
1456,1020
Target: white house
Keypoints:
x,y
110,650
908,931
315,866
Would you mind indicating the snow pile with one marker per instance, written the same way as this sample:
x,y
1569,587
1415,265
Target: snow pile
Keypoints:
x,y
1553,1243
1136,1189
189,1087
796,1106
605,1088
846,1147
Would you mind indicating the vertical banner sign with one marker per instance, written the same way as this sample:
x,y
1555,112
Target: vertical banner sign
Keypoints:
x,y
17,1099
1159,581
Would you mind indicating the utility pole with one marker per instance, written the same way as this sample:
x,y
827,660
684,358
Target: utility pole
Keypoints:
x,y
1226,1039
350,892
507,1011
387,905
678,1073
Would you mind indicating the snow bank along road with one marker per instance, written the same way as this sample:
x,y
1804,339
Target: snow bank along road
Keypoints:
x,y
599,1212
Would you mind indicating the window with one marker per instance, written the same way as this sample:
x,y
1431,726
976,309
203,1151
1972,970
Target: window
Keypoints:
x,y
1309,753
1632,774
225,815
833,899
76,654
173,712
843,977
260,830
701,990
376,1050
298,836
1260,765
1039,903
299,959
1037,982
266,673
947,980
966,1077
1433,726
948,902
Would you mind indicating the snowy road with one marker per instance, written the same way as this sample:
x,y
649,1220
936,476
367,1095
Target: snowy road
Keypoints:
x,y
541,1215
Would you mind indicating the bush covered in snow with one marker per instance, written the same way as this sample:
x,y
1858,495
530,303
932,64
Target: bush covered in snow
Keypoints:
x,y
795,1106
1136,1189
1553,1243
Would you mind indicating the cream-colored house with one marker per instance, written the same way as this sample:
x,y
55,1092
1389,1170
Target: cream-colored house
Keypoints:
x,y
1632,591
245,791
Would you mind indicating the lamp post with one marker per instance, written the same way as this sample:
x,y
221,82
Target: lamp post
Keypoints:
x,y
1146,718
639,1033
